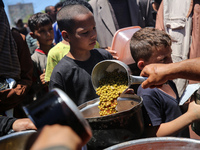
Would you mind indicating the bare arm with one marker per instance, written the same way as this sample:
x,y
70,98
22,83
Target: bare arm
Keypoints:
x,y
178,124
23,124
159,73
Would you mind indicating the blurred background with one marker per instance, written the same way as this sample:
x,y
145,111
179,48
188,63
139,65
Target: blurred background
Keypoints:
x,y
23,9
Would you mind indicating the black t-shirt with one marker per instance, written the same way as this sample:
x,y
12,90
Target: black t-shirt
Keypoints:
x,y
159,107
1,3
74,77
6,124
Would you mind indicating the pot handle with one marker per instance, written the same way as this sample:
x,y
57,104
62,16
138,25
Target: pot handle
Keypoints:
x,y
137,79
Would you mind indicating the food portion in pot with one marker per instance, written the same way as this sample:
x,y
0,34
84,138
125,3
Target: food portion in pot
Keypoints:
x,y
110,87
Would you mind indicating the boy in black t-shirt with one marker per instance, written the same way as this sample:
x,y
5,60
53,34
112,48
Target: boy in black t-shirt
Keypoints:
x,y
73,73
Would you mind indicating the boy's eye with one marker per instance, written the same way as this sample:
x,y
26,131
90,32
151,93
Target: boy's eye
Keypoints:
x,y
85,32
42,31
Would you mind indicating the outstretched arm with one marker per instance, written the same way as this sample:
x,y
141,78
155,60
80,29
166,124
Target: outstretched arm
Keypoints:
x,y
159,73
173,127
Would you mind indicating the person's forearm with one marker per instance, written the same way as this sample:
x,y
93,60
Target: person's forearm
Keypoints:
x,y
187,69
173,127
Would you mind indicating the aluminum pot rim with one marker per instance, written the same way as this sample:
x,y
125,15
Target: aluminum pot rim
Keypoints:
x,y
111,116
151,140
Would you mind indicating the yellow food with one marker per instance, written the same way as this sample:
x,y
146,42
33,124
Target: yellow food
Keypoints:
x,y
110,88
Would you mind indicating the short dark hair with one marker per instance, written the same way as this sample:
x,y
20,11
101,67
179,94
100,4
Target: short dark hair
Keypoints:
x,y
144,41
81,2
66,15
37,20
48,9
58,5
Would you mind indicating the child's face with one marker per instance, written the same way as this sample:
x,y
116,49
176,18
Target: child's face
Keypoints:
x,y
84,33
44,35
160,55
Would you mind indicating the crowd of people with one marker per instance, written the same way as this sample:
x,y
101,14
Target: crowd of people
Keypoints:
x,y
60,47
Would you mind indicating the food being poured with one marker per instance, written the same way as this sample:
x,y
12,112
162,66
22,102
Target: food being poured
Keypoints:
x,y
110,87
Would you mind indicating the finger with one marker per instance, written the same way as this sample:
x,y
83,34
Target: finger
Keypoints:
x,y
43,70
115,57
146,84
144,74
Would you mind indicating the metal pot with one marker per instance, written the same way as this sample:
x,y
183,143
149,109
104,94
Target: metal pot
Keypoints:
x,y
99,69
158,143
108,130
15,141
57,108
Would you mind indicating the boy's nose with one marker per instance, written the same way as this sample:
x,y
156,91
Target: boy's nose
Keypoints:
x,y
94,35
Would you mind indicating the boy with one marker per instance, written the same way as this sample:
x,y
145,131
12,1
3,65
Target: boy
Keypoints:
x,y
73,73
162,114
62,48
40,25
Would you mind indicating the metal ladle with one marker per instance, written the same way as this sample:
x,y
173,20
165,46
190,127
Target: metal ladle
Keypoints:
x,y
99,69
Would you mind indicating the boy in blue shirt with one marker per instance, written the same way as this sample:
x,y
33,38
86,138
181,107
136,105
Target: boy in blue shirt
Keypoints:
x,y
162,114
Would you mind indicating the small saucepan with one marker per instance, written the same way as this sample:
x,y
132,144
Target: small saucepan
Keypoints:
x,y
99,69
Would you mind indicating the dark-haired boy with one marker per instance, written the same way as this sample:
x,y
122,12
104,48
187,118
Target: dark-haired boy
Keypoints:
x,y
73,73
40,25
61,48
162,114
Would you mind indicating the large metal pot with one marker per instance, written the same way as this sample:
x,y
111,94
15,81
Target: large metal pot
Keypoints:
x,y
15,141
158,143
108,130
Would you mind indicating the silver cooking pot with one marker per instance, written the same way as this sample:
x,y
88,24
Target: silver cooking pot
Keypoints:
x,y
158,143
16,140
112,129
127,123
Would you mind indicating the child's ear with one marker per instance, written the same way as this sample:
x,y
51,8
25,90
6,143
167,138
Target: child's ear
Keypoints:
x,y
140,64
65,35
32,35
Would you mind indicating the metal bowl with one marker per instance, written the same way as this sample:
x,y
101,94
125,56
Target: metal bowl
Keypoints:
x,y
109,130
158,143
15,141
